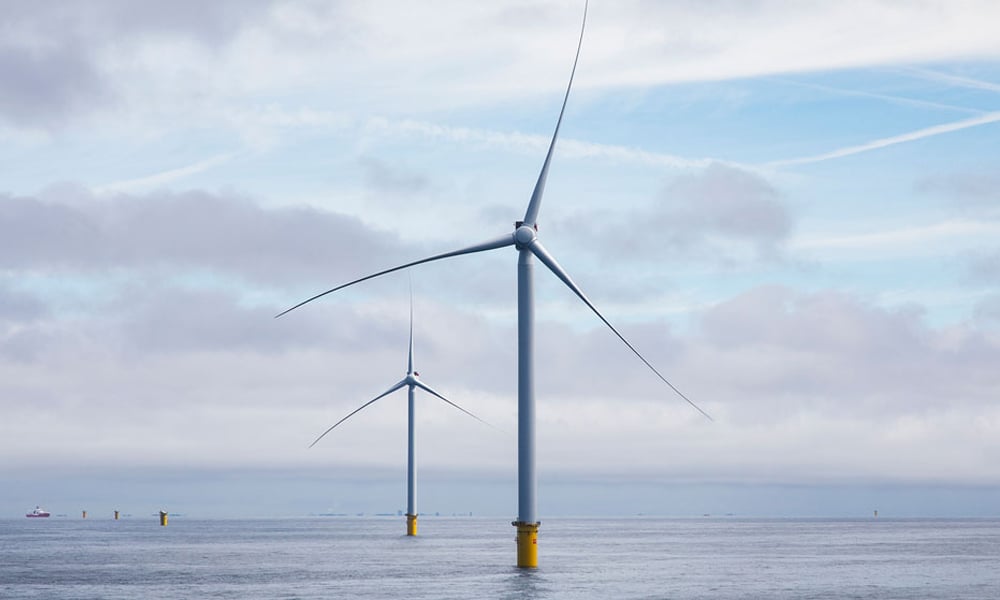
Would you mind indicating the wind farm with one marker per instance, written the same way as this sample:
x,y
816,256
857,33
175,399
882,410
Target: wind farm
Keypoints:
x,y
789,215
526,241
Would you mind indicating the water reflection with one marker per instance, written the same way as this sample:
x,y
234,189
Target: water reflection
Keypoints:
x,y
526,583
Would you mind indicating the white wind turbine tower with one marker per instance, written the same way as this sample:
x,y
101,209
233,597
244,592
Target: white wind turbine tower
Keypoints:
x,y
411,381
525,240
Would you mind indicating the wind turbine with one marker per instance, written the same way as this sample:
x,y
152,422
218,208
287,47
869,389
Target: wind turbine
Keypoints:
x,y
411,381
525,240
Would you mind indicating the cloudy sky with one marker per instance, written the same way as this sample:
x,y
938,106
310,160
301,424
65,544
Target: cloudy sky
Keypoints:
x,y
791,208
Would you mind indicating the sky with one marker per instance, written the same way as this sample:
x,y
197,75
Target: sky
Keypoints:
x,y
791,209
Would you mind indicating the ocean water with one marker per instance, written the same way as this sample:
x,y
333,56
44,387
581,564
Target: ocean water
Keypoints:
x,y
647,558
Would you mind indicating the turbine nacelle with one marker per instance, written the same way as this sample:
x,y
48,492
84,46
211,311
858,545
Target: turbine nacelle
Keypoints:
x,y
524,235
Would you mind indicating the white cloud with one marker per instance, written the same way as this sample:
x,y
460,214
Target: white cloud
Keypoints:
x,y
187,231
949,236
666,42
718,214
152,62
799,384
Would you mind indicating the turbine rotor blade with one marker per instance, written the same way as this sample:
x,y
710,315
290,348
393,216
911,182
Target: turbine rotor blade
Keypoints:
x,y
531,216
500,242
359,409
427,389
409,360
538,250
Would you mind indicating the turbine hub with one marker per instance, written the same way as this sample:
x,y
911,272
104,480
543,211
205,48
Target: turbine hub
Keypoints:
x,y
524,235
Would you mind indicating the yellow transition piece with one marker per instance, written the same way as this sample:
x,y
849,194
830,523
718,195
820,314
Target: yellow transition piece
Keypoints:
x,y
527,544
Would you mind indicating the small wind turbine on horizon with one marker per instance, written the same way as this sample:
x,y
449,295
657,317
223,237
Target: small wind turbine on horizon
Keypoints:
x,y
525,240
411,381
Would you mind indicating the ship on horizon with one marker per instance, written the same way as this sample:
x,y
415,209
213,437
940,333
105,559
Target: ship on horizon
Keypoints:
x,y
38,512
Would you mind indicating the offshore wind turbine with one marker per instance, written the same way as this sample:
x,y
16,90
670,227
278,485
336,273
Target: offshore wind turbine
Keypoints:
x,y
411,381
525,240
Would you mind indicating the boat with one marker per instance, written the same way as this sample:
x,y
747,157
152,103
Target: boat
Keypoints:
x,y
38,512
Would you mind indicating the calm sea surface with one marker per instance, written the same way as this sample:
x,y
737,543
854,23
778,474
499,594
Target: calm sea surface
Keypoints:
x,y
648,558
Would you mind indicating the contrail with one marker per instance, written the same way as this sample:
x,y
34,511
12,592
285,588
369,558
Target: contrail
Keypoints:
x,y
530,142
165,177
885,97
957,80
912,136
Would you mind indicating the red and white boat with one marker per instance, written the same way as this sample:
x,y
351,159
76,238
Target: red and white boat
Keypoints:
x,y
38,512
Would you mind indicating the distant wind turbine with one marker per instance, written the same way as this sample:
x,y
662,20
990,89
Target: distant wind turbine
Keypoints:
x,y
525,241
411,381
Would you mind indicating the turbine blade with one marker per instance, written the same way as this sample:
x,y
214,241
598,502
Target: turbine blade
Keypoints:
x,y
531,216
409,360
359,409
500,242
538,250
427,389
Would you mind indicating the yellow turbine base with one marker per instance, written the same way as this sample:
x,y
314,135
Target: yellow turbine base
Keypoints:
x,y
411,524
527,544
163,519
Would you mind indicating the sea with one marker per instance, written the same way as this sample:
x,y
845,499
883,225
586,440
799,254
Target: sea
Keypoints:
x,y
473,557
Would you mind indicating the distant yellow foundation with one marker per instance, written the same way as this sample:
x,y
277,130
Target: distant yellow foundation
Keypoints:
x,y
163,519
84,514
411,524
527,544
116,515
